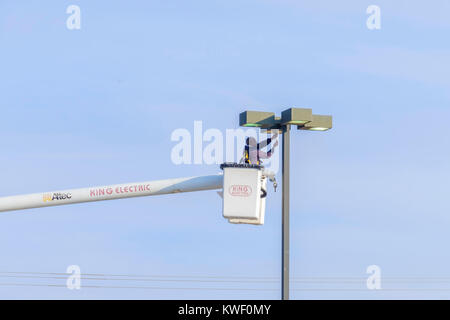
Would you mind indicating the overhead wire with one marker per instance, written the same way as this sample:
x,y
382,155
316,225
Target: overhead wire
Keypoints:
x,y
206,279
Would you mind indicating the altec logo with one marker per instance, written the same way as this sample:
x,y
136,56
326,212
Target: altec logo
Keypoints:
x,y
56,196
240,190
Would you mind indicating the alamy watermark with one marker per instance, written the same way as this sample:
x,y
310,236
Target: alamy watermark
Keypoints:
x,y
374,280
73,22
212,146
74,280
374,20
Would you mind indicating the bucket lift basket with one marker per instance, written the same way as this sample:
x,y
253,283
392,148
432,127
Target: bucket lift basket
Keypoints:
x,y
244,193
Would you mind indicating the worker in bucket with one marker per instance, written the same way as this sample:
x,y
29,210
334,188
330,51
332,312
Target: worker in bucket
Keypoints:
x,y
253,153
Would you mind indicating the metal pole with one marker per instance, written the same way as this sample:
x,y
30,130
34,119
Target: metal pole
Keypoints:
x,y
285,215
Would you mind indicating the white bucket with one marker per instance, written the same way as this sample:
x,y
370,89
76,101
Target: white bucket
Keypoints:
x,y
243,193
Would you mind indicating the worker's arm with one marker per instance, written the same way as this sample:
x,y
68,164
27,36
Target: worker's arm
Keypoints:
x,y
264,143
268,154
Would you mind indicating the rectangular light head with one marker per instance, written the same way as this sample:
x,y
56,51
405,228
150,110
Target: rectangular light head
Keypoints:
x,y
256,119
318,123
296,116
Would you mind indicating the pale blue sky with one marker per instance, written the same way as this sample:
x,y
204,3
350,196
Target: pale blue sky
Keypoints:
x,y
97,106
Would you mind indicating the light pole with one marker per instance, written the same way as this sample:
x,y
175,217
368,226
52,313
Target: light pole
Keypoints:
x,y
304,120
285,213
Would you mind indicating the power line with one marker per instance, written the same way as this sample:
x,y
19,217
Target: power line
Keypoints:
x,y
304,281
141,279
138,275
136,287
231,289
305,278
199,278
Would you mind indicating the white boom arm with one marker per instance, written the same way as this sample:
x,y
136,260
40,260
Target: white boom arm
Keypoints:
x,y
117,191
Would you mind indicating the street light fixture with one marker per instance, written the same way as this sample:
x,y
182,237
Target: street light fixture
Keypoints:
x,y
318,123
304,120
256,119
296,116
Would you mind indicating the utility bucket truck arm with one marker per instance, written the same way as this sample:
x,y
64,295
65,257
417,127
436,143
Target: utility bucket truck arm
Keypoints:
x,y
110,192
243,188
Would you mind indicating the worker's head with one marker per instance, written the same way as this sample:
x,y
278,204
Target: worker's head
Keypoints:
x,y
251,142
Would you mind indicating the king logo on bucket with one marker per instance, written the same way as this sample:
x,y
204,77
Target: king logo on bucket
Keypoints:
x,y
240,190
